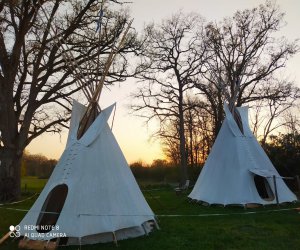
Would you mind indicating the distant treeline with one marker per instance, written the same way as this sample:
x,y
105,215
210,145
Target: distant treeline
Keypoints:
x,y
161,171
37,165
283,150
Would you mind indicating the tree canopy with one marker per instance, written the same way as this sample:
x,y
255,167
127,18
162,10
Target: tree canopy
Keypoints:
x,y
38,80
237,61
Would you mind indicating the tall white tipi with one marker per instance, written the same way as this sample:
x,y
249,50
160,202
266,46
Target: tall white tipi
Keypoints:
x,y
91,195
238,170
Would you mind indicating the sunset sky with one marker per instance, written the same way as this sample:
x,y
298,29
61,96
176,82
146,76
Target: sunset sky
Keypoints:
x,y
129,130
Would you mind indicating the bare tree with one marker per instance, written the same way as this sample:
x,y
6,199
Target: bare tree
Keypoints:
x,y
199,131
292,122
198,134
269,113
171,57
36,80
243,58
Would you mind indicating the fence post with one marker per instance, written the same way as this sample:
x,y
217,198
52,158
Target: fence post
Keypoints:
x,y
275,187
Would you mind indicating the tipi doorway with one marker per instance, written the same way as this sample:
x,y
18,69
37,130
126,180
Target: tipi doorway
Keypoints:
x,y
51,208
263,188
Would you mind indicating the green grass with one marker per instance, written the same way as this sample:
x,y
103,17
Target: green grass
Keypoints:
x,y
32,184
236,228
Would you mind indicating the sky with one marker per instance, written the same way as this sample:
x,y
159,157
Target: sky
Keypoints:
x,y
131,132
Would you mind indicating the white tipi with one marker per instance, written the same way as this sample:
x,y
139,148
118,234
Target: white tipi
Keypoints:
x,y
238,170
91,195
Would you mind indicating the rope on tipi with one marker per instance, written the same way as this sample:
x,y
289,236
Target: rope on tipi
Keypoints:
x,y
113,119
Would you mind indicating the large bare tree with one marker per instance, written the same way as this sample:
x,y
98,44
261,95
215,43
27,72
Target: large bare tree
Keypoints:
x,y
37,79
171,56
244,57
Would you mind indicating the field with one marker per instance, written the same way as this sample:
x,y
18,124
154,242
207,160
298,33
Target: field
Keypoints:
x,y
197,227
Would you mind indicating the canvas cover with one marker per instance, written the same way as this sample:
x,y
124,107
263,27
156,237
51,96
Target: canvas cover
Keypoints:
x,y
103,196
228,174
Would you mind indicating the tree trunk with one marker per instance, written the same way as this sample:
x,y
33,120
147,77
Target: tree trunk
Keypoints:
x,y
183,160
191,138
219,117
196,157
10,174
191,148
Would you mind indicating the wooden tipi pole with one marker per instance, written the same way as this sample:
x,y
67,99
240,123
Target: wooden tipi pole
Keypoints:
x,y
90,113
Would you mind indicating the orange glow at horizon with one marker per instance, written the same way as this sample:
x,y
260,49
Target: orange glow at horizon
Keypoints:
x,y
130,132
52,146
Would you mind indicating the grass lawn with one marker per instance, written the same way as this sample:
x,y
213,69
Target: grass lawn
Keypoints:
x,y
236,228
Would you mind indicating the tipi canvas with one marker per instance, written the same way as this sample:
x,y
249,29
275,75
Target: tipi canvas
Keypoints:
x,y
238,170
91,195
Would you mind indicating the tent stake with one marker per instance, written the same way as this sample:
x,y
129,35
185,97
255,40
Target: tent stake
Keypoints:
x,y
143,226
115,238
275,187
4,238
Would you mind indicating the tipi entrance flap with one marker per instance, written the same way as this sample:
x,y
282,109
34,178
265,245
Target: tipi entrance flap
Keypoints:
x,y
267,173
231,122
95,129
